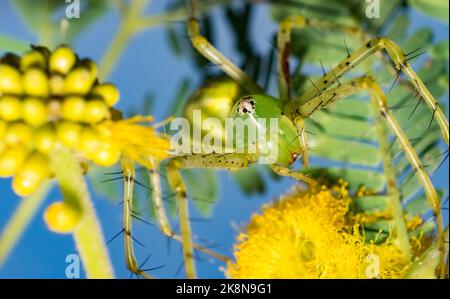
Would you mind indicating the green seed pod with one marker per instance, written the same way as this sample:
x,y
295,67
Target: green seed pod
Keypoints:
x,y
79,81
10,80
62,60
35,83
73,108
10,108
34,112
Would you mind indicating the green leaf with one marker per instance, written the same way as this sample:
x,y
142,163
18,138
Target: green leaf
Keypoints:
x,y
370,204
12,44
398,28
356,178
91,10
348,151
436,8
336,11
345,127
174,40
44,15
421,38
419,205
249,179
203,187
440,51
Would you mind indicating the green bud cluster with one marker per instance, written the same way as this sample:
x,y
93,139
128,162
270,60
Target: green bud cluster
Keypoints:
x,y
48,98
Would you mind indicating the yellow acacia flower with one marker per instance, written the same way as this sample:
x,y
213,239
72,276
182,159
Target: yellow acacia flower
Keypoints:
x,y
311,234
54,98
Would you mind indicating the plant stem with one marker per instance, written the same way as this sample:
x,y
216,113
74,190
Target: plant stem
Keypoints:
x,y
132,23
88,233
425,265
393,192
23,215
127,28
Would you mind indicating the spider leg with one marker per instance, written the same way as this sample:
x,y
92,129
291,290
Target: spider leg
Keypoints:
x,y
130,258
283,171
211,53
163,220
284,77
221,161
379,100
284,42
401,64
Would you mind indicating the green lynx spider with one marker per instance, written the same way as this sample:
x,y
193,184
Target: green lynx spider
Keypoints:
x,y
292,112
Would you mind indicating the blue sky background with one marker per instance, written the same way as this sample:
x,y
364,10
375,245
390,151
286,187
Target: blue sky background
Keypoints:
x,y
149,65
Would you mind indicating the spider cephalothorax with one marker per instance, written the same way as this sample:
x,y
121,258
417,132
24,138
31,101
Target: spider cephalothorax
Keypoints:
x,y
246,105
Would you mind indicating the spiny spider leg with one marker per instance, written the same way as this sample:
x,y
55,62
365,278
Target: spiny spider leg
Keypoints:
x,y
379,100
284,42
284,77
204,47
162,219
401,64
232,161
129,173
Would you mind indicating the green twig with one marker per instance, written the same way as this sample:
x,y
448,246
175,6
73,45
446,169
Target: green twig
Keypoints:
x,y
23,215
393,192
425,266
132,23
88,233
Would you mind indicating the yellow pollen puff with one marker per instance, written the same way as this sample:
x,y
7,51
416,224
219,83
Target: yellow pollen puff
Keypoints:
x,y
33,58
11,159
18,133
31,175
68,133
95,111
34,111
79,81
108,92
10,80
73,108
56,84
307,234
44,140
62,60
61,217
10,108
35,82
